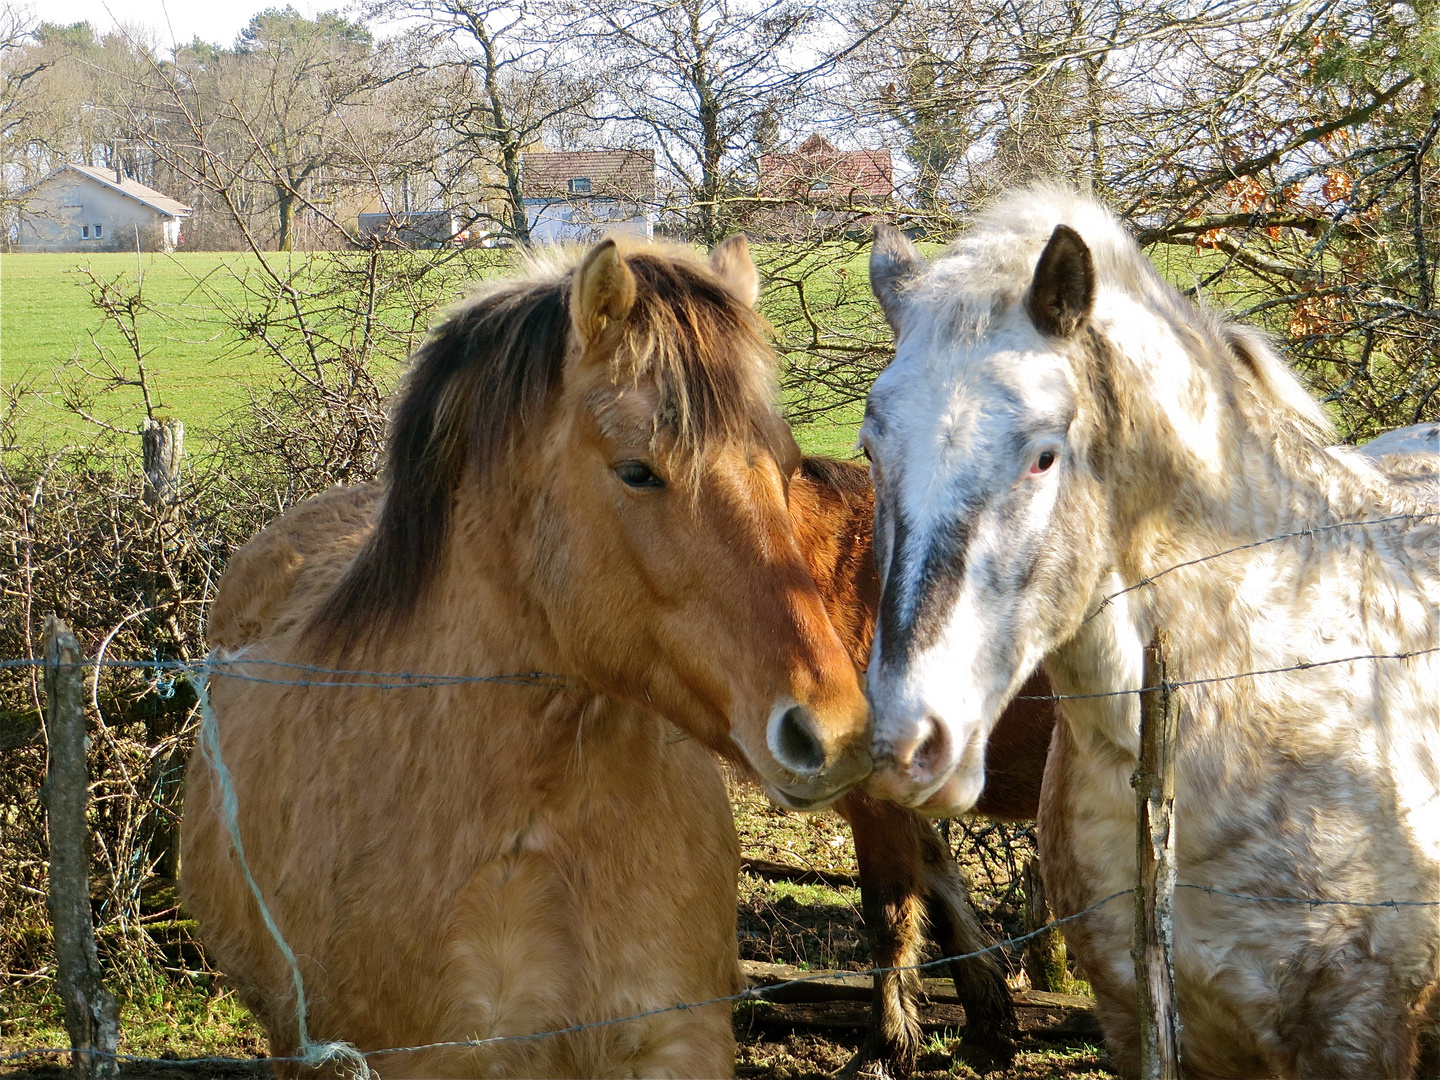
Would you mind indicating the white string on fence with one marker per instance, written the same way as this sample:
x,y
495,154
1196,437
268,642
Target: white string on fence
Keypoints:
x,y
312,1054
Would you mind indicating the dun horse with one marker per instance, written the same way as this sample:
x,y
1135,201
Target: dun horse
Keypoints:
x,y
586,477
448,862
1060,425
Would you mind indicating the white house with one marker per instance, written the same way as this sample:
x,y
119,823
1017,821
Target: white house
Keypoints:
x,y
77,208
579,195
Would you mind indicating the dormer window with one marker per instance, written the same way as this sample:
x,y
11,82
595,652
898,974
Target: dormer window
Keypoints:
x,y
580,185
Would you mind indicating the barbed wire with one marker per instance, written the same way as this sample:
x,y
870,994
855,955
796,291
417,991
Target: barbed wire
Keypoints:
x,y
410,680
752,993
1311,531
223,666
1175,684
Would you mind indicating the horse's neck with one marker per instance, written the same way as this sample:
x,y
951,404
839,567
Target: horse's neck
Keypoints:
x,y
477,614
1096,670
1213,463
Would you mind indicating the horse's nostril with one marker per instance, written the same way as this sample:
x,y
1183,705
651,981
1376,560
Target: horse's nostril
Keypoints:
x,y
795,745
933,749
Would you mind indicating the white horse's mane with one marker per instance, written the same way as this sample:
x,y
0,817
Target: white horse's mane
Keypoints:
x,y
988,269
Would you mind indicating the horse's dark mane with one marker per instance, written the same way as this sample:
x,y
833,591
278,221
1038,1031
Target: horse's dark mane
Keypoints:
x,y
848,479
487,373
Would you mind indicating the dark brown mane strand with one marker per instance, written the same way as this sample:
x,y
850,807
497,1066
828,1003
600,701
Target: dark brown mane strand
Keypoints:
x,y
485,371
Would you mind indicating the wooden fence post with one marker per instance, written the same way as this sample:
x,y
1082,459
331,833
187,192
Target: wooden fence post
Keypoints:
x,y
90,1015
1154,783
162,445
1045,953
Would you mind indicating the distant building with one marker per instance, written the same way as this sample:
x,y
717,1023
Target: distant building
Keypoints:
x,y
819,187
78,208
580,195
412,228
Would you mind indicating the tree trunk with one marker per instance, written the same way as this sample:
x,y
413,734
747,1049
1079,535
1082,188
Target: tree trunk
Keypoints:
x,y
287,219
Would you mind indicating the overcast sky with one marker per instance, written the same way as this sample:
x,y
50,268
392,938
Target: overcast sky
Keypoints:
x,y
172,21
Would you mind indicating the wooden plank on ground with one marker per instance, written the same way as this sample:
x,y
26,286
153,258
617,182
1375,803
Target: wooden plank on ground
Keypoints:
x,y
839,1001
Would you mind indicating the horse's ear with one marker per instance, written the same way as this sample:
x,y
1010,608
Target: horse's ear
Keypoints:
x,y
1063,289
732,264
604,291
894,261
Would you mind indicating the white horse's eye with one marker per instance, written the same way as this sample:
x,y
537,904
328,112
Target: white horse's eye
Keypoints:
x,y
1043,462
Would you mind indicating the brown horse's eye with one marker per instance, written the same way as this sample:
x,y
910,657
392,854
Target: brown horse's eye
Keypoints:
x,y
637,474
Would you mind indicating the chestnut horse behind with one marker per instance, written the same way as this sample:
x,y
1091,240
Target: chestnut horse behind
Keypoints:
x,y
586,477
910,887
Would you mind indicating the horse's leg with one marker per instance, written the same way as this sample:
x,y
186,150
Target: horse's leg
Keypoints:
x,y
990,1024
906,873
891,881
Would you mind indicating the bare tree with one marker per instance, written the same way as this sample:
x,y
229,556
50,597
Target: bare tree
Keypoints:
x,y
704,80
1281,153
495,81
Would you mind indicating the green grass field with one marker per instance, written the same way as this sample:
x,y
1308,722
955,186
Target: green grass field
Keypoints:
x,y
69,363
51,332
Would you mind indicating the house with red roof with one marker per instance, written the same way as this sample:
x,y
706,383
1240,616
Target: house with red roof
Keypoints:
x,y
80,208
580,195
817,187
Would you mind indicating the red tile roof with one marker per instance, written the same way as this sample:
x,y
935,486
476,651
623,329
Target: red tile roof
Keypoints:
x,y
819,172
613,174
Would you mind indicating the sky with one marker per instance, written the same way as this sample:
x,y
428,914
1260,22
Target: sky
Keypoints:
x,y
172,21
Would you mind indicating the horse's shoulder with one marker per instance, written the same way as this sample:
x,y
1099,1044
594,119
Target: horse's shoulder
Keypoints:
x,y
283,569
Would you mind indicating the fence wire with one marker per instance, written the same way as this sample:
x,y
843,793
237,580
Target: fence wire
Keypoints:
x,y
343,1052
347,1056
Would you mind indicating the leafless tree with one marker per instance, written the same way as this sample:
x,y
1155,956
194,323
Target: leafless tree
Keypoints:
x,y
704,81
495,81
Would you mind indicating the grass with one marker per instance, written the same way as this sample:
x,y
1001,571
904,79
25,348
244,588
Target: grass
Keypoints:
x,y
73,363
50,328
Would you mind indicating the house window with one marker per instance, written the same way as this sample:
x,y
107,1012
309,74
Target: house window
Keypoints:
x,y
84,232
818,186
580,185
99,231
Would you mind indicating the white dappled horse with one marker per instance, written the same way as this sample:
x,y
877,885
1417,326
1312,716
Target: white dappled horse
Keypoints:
x,y
1059,429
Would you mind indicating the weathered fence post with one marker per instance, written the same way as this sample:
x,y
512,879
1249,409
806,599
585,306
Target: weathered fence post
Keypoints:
x,y
1045,953
162,445
1154,783
90,1015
